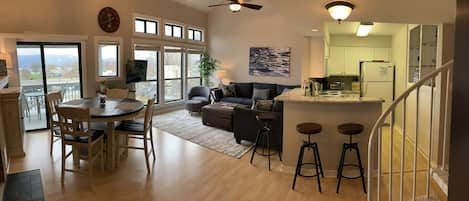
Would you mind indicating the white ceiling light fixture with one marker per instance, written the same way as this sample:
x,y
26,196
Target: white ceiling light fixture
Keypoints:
x,y
339,10
235,7
364,29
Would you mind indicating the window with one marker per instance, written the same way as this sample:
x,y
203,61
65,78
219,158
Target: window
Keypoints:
x,y
146,26
194,34
108,60
149,88
173,30
172,74
193,73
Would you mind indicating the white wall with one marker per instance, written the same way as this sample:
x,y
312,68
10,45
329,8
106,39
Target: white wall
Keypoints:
x,y
231,36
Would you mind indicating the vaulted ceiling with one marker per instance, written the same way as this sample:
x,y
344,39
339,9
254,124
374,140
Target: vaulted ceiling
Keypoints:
x,y
398,11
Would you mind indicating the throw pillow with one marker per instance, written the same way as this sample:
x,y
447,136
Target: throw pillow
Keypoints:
x,y
259,94
228,90
263,105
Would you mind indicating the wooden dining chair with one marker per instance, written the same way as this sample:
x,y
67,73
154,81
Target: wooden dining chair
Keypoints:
x,y
134,129
75,131
53,99
117,93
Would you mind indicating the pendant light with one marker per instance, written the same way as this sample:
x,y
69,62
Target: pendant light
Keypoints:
x,y
339,10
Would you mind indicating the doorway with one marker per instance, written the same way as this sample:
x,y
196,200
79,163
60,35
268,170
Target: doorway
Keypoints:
x,y
45,68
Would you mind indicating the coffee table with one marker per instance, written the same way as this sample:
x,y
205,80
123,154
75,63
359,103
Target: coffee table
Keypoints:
x,y
219,115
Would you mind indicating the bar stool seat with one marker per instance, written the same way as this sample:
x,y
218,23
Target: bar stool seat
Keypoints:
x,y
309,129
350,129
266,116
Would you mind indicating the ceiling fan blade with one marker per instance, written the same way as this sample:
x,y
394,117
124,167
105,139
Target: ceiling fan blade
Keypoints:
x,y
222,4
251,6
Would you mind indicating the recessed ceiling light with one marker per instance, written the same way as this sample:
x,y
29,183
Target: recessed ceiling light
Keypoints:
x,y
314,30
364,29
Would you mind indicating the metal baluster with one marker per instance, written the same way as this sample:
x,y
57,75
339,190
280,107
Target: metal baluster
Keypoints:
x,y
403,131
416,143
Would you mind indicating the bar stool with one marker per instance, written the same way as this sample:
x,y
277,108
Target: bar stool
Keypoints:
x,y
263,135
350,129
309,129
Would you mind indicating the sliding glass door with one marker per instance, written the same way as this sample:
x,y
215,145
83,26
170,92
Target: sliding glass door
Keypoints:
x,y
44,68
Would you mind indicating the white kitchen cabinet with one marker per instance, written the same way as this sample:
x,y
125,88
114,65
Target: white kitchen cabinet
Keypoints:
x,y
352,60
346,60
366,53
381,54
336,61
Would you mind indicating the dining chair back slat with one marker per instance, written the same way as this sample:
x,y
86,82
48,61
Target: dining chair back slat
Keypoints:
x,y
117,93
148,121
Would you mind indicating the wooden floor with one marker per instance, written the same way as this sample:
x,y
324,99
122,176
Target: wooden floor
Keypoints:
x,y
183,171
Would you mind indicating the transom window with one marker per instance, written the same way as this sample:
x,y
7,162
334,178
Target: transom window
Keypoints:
x,y
195,34
173,30
146,26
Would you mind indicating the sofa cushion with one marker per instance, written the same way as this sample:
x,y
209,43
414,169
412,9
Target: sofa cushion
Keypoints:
x,y
239,100
280,88
243,89
271,87
200,98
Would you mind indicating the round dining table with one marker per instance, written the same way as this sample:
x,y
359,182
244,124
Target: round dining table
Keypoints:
x,y
111,111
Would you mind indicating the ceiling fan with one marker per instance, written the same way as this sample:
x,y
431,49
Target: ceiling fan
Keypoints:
x,y
236,5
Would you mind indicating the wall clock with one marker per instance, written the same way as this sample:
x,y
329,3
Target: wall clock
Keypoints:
x,y
109,20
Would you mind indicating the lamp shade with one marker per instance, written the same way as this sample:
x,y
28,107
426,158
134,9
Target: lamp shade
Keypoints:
x,y
339,10
221,74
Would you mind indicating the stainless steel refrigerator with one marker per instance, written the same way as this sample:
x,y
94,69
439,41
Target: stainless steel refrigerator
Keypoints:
x,y
377,81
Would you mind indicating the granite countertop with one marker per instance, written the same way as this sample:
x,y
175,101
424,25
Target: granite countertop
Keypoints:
x,y
297,95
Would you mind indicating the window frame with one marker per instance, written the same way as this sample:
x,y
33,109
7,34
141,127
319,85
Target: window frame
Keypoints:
x,y
106,40
141,17
158,63
182,78
145,30
193,34
187,78
172,25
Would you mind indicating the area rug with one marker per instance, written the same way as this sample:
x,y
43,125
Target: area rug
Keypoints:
x,y
24,186
180,123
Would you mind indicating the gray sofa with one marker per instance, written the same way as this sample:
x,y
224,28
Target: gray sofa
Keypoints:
x,y
245,125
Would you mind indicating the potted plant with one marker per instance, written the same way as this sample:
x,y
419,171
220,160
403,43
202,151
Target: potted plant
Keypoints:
x,y
207,65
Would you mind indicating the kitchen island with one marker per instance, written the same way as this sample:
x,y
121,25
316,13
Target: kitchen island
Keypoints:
x,y
329,111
